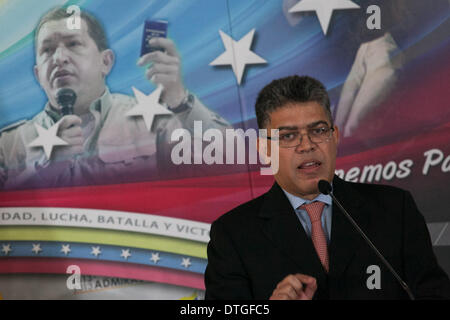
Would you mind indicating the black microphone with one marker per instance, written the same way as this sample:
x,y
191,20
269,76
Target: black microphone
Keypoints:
x,y
325,188
66,99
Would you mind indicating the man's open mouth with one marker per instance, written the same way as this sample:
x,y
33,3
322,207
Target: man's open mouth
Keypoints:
x,y
310,164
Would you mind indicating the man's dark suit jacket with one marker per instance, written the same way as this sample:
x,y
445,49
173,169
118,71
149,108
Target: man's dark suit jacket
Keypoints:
x,y
256,245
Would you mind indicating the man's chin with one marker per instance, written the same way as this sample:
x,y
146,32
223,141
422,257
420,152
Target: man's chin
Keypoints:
x,y
310,186
310,180
307,190
56,89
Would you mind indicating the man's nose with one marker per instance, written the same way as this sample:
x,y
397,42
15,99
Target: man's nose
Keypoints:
x,y
305,144
60,56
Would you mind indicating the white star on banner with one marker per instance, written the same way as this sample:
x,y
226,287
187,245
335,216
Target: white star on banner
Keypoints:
x,y
186,262
6,249
155,257
237,54
324,9
96,251
65,248
125,254
47,139
148,106
36,248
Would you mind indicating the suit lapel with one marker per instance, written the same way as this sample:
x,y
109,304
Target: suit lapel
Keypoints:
x,y
282,227
344,238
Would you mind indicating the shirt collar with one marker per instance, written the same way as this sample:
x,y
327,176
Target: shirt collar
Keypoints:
x,y
297,201
102,105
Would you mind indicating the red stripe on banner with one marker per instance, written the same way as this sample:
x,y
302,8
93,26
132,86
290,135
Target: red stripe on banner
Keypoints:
x,y
103,269
192,198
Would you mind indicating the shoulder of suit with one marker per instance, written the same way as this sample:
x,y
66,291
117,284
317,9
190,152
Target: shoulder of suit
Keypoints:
x,y
13,126
246,210
379,190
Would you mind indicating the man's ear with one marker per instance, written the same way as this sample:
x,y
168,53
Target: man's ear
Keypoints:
x,y
108,59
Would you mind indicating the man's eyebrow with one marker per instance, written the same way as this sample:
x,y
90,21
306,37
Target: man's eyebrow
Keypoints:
x,y
287,128
64,37
311,125
315,124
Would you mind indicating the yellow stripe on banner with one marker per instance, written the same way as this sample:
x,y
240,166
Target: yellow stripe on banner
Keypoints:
x,y
106,237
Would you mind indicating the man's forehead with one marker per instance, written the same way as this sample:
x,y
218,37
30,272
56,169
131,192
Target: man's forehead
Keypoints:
x,y
299,115
56,29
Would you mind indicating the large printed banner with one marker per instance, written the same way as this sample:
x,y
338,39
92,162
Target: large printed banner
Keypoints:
x,y
108,189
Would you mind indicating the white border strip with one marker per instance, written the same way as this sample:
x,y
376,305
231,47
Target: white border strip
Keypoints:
x,y
105,219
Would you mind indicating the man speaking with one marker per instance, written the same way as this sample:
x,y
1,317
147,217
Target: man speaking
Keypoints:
x,y
294,243
97,141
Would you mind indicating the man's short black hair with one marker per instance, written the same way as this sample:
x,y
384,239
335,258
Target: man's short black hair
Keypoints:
x,y
95,28
287,90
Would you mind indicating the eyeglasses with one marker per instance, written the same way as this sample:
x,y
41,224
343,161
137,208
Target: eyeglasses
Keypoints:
x,y
294,138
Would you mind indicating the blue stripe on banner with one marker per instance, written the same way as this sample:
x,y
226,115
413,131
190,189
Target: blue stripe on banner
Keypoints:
x,y
102,253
